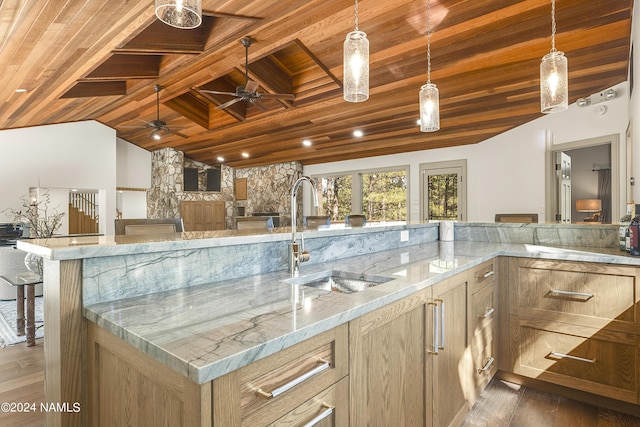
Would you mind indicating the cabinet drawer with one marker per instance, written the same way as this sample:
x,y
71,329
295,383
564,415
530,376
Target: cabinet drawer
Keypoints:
x,y
483,274
484,304
484,349
601,362
329,408
595,295
264,391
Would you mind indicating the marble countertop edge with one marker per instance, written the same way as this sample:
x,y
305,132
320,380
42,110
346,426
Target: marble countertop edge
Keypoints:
x,y
334,309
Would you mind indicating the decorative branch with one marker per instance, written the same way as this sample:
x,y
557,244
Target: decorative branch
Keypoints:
x,y
42,221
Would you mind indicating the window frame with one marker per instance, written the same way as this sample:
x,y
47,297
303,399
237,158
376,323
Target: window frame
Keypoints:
x,y
356,184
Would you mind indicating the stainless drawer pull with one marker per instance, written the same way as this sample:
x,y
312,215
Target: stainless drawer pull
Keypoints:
x,y
442,327
568,356
321,416
572,294
488,313
436,328
488,274
487,365
323,366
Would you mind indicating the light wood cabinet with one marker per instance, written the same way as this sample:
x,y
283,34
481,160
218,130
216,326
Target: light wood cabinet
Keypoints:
x,y
449,353
575,324
387,365
203,216
272,390
305,382
483,327
410,364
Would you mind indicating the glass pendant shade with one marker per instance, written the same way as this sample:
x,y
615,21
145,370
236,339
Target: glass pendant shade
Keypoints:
x,y
356,67
554,96
429,108
185,14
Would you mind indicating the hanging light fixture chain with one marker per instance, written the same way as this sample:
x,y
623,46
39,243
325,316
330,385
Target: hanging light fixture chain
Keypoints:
x,y
553,25
429,41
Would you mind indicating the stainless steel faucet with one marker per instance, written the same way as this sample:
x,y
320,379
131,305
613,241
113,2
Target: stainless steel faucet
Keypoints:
x,y
297,254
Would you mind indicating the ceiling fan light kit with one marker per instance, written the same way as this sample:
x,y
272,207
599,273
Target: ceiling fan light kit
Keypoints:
x,y
184,14
554,81
429,94
356,64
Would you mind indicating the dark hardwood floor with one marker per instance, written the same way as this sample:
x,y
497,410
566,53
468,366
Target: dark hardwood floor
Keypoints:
x,y
504,404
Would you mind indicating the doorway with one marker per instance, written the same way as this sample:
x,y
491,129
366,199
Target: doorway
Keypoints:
x,y
443,191
594,176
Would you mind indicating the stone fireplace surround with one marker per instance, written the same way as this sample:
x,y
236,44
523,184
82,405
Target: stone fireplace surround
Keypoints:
x,y
268,187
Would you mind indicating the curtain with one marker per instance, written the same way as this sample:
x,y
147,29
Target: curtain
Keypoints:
x,y
604,193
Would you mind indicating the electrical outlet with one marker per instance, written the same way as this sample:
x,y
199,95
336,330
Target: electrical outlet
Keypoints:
x,y
404,235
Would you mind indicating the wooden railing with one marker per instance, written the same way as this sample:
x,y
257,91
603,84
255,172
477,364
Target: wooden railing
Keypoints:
x,y
83,213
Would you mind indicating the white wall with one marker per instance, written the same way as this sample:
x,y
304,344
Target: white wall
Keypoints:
x,y
634,102
81,155
505,173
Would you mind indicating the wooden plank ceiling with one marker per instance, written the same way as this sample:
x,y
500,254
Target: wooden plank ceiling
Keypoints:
x,y
100,60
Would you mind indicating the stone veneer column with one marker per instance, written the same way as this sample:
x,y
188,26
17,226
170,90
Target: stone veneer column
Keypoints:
x,y
269,188
166,182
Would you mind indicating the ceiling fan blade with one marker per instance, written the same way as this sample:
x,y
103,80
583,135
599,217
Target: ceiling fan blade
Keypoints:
x,y
133,127
285,96
182,135
227,104
251,86
216,92
260,105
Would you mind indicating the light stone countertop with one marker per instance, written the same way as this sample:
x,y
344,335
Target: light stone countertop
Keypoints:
x,y
207,331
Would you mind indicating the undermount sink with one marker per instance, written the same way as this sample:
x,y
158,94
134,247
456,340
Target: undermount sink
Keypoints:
x,y
342,281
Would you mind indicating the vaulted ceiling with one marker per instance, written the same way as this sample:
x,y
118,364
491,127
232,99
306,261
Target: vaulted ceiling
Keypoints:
x,y
100,60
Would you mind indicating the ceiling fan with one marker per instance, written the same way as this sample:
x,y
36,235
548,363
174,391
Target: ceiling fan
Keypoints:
x,y
158,126
248,92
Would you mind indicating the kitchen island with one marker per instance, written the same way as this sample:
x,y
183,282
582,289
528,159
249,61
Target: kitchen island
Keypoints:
x,y
207,305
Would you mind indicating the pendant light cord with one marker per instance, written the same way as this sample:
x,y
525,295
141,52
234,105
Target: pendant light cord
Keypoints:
x,y
355,12
553,25
429,41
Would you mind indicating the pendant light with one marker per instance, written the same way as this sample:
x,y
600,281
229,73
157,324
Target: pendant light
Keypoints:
x,y
429,96
185,14
554,79
356,64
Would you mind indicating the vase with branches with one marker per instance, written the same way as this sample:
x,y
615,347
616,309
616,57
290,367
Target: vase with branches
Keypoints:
x,y
40,219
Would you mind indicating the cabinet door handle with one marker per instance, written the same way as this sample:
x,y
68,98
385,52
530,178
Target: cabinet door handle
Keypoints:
x,y
568,356
488,274
488,313
323,365
321,416
442,328
436,328
487,365
572,294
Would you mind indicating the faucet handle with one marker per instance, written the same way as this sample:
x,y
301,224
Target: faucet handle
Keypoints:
x,y
301,242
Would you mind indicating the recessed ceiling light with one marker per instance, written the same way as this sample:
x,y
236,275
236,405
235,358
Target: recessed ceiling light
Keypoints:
x,y
21,90
306,143
418,122
245,155
220,159
358,133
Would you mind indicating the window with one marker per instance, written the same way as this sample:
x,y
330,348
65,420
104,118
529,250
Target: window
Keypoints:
x,y
335,196
443,190
379,194
384,196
